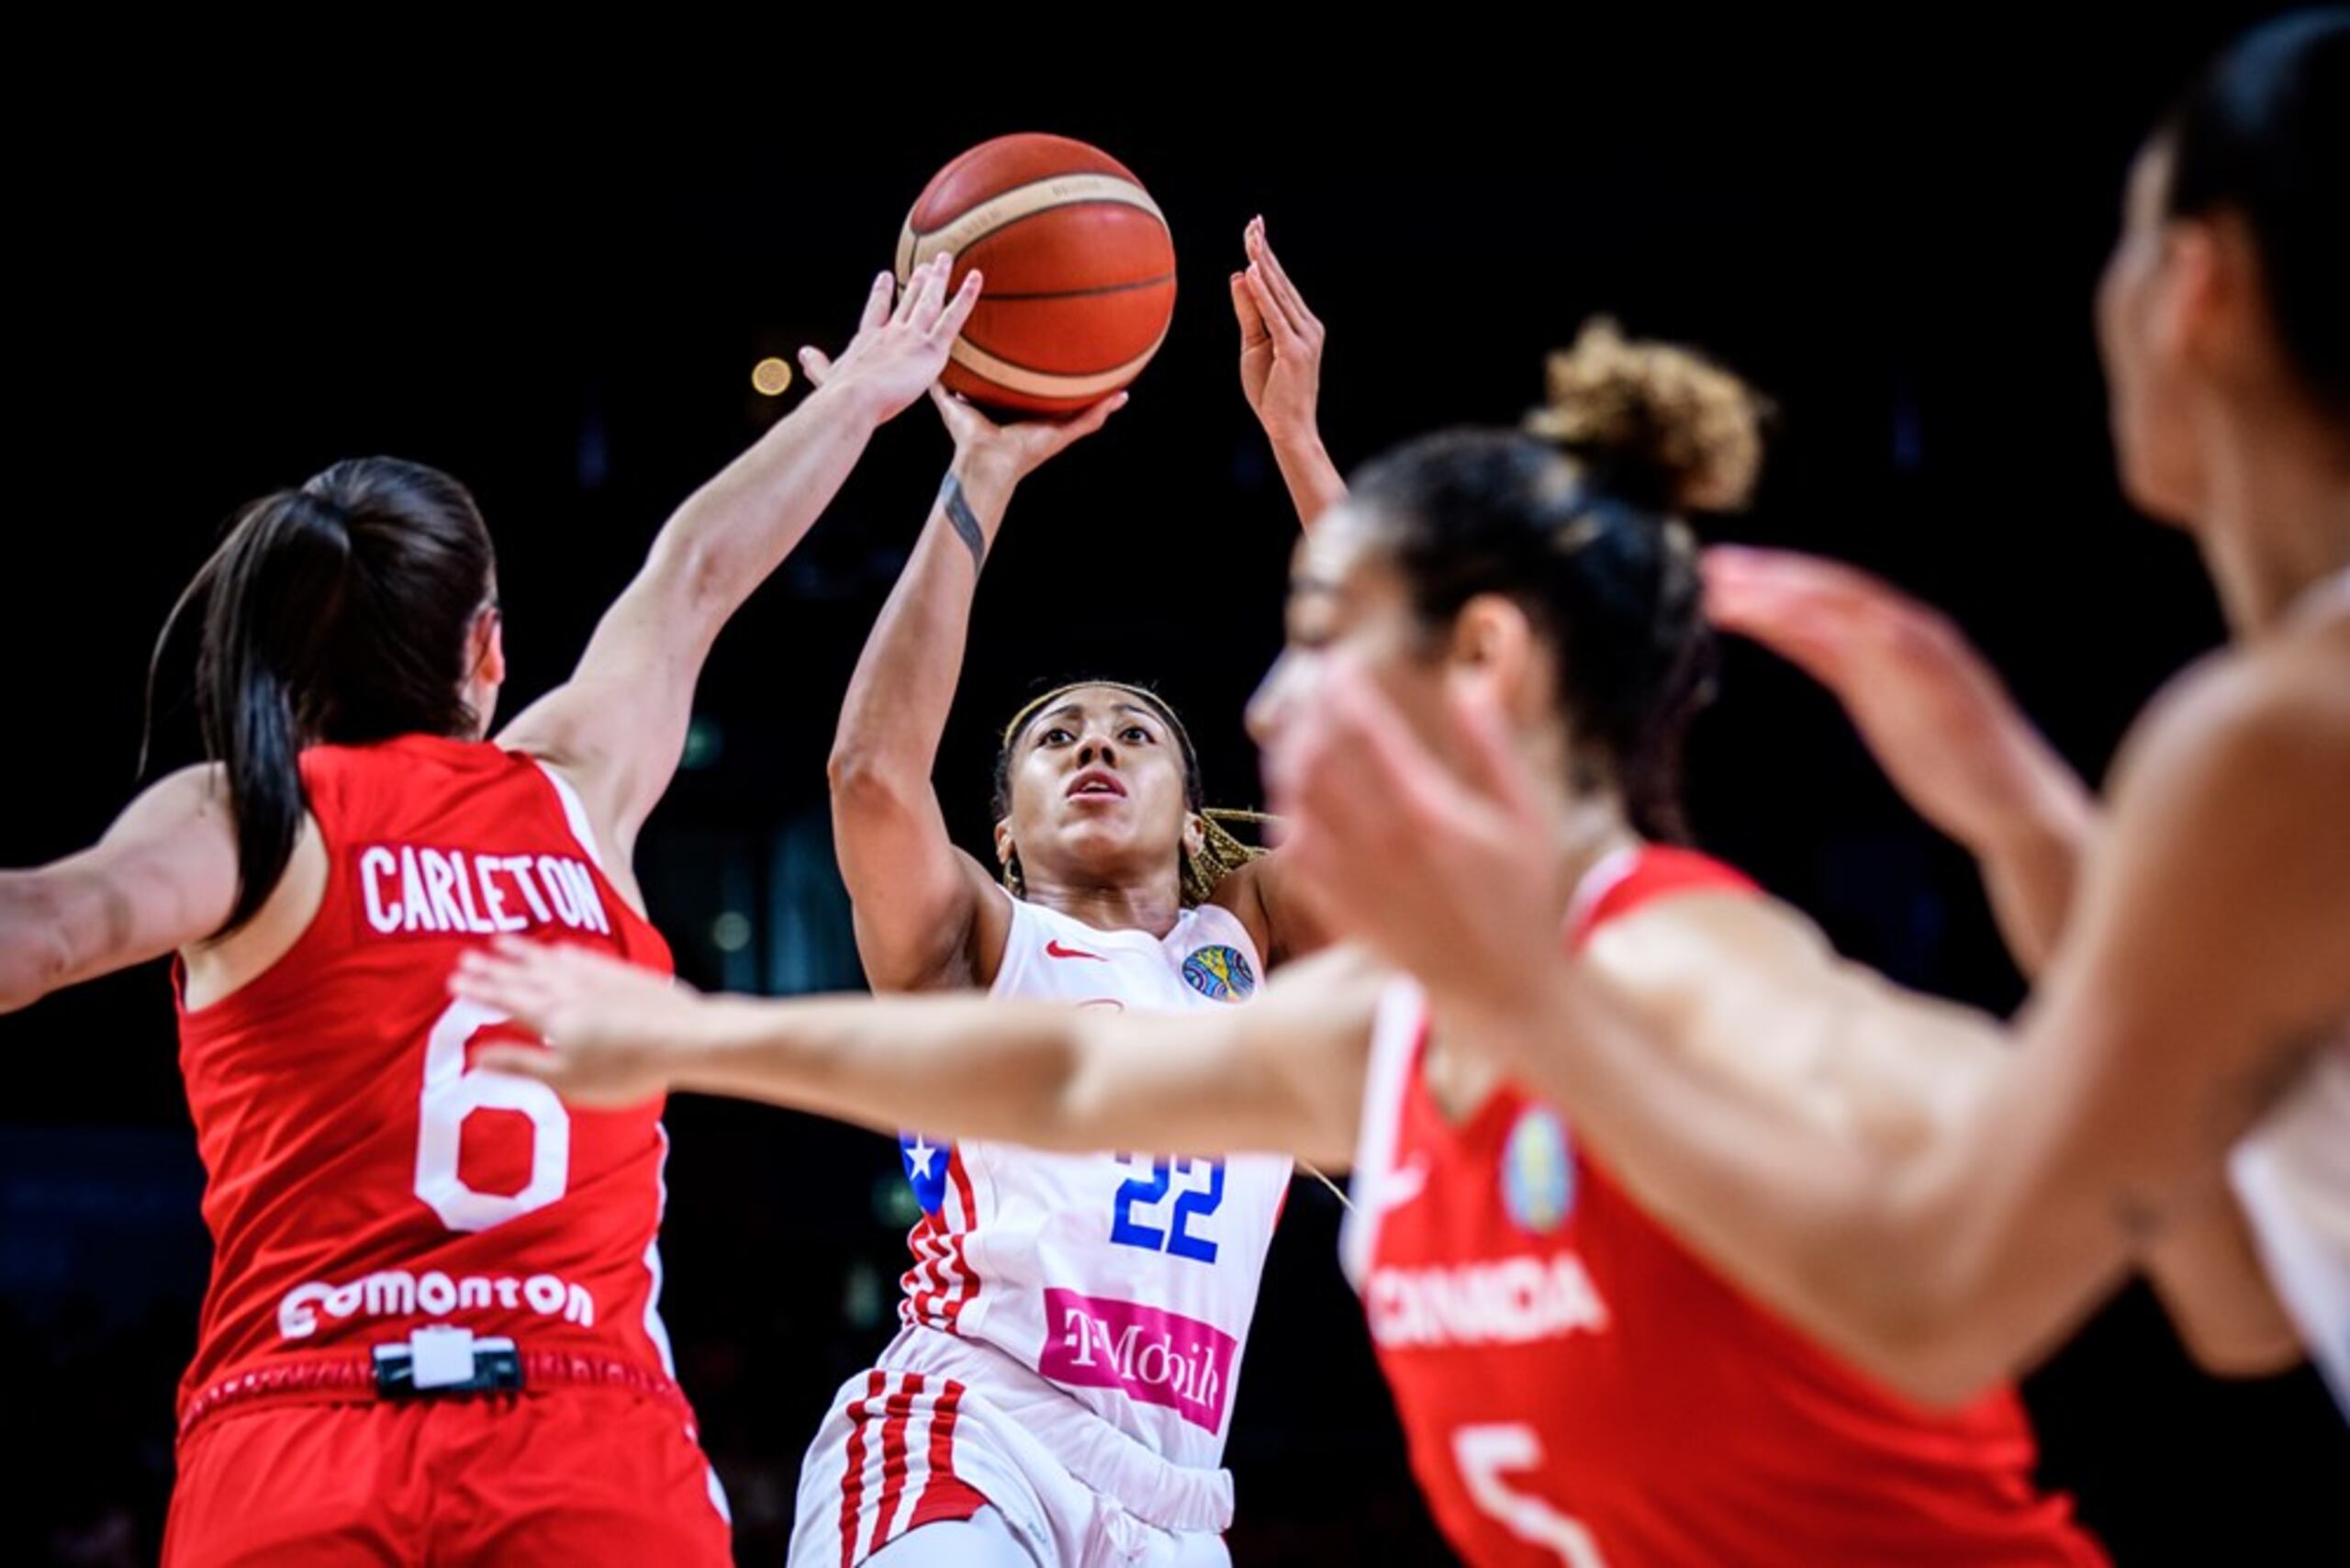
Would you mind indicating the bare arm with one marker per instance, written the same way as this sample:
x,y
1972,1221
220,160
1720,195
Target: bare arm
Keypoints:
x,y
929,916
1938,718
1282,1074
2211,944
164,877
617,728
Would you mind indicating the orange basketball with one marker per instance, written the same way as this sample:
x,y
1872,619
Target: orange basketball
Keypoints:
x,y
1080,268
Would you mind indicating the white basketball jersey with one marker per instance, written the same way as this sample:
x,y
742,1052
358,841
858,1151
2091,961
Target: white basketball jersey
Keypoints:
x,y
1126,1280
2292,1175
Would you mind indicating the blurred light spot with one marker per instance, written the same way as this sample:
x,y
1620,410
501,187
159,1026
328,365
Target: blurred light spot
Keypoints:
x,y
704,744
730,931
771,377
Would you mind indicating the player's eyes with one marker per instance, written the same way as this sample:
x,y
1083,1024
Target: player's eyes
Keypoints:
x,y
1057,736
1137,735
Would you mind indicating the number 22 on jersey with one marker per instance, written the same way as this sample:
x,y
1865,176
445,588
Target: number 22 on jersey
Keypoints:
x,y
1138,1220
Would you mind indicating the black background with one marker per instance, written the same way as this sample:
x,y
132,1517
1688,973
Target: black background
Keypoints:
x,y
553,283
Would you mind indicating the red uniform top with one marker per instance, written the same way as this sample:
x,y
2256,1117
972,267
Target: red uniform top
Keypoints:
x,y
1575,1387
361,1180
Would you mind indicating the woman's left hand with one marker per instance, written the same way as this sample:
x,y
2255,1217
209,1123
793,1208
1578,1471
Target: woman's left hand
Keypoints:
x,y
1449,877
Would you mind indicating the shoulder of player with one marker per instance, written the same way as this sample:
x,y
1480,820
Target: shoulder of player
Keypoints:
x,y
195,798
1673,948
2268,723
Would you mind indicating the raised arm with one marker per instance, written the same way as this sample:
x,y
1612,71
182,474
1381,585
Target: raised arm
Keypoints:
x,y
164,877
1283,1074
617,728
929,916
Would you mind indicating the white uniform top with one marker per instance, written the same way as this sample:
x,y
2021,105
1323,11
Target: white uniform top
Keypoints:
x,y
2292,1175
1128,1281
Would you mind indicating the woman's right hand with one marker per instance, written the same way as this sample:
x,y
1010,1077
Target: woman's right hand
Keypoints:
x,y
612,1032
1008,452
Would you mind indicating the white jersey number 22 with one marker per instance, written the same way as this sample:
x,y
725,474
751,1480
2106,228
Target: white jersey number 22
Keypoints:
x,y
1482,1453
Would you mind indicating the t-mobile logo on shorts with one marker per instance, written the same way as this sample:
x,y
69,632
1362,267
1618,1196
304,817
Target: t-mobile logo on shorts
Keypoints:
x,y
1157,1357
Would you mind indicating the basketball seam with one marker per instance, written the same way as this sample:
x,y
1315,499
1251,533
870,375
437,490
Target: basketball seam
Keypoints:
x,y
992,294
1149,203
1144,357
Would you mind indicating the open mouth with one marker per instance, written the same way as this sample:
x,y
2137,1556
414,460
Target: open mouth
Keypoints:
x,y
1094,782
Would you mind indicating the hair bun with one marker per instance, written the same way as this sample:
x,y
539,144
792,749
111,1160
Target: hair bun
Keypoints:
x,y
1660,422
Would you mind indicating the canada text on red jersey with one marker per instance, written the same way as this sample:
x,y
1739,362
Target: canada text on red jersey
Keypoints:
x,y
361,1178
1576,1387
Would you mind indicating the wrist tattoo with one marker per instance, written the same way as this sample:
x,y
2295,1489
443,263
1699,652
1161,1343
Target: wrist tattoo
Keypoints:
x,y
965,521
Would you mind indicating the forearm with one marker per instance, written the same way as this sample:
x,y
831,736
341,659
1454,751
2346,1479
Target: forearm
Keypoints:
x,y
2032,865
36,953
2212,1284
1314,481
730,534
898,698
1057,1078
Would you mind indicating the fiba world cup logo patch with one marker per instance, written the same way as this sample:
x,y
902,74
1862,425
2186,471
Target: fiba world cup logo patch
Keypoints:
x,y
1538,1172
1220,973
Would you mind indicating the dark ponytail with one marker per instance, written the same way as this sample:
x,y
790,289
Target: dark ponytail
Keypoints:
x,y
337,612
1578,520
2266,133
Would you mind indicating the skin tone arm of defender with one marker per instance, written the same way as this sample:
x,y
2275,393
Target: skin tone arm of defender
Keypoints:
x,y
617,728
2208,950
164,876
929,916
1282,1075
1942,725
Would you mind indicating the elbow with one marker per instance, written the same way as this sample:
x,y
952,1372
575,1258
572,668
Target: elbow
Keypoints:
x,y
865,781
1893,1310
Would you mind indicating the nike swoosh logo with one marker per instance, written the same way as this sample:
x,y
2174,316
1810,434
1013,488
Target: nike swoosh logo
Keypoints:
x,y
1055,950
1402,1186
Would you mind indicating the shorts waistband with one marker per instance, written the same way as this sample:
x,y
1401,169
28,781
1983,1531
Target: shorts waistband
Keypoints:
x,y
353,1379
1145,1483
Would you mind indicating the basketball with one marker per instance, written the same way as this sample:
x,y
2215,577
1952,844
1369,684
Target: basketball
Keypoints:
x,y
1079,269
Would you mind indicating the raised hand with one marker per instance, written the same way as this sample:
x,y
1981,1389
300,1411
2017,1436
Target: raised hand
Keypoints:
x,y
1010,452
609,1028
1442,874
900,347
1934,715
1280,343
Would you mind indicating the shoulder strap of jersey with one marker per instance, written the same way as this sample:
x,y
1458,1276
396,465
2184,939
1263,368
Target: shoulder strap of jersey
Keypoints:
x,y
1394,1052
1630,877
574,813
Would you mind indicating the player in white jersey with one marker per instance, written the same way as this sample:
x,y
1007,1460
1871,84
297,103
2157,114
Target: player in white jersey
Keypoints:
x,y
1062,1385
2188,1036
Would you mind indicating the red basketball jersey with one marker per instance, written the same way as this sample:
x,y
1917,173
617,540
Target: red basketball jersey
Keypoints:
x,y
1577,1388
362,1179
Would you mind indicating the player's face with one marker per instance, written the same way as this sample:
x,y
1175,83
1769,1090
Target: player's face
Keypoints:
x,y
1097,791
2141,309
1349,601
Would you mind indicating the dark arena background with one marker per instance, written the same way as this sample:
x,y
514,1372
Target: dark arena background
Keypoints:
x,y
558,293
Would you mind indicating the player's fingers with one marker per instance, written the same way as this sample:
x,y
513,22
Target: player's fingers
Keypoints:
x,y
877,302
817,364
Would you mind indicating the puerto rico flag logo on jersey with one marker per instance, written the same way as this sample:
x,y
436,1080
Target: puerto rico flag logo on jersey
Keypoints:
x,y
925,1169
1220,973
1538,1171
